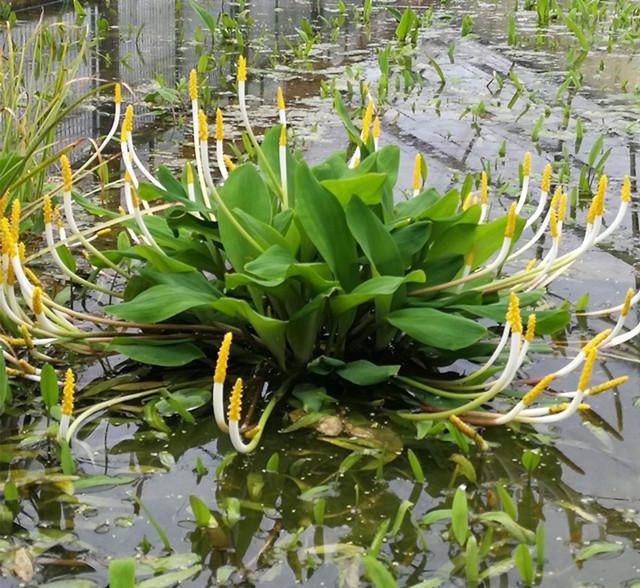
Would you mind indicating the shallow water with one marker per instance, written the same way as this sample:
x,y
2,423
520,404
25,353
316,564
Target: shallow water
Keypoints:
x,y
267,535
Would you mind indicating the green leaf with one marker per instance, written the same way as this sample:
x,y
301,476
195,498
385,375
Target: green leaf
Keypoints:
x,y
122,573
524,563
507,502
471,561
367,187
502,518
437,329
67,464
416,468
436,516
377,573
460,516
312,397
596,548
365,373
4,383
159,303
200,511
374,239
205,16
271,331
324,221
164,353
170,579
102,480
48,386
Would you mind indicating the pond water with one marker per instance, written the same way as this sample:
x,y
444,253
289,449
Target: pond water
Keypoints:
x,y
270,530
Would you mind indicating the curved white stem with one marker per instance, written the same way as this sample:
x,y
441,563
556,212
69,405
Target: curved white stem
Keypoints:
x,y
218,406
222,166
523,194
538,211
236,439
616,222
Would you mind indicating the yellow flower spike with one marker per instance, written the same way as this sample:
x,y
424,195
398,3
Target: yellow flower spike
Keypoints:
x,y
193,85
417,170
227,161
47,213
68,392
66,172
283,136
31,276
202,125
591,214
128,117
556,408
376,127
526,164
468,431
135,201
8,240
484,188
235,402
583,382
121,211
600,194
366,121
223,359
242,68
3,201
530,397
58,217
607,385
189,173
281,105
513,313
562,207
15,218
127,176
510,227
530,265
531,327
625,194
546,178
36,300
22,254
11,277
627,303
468,258
553,224
103,232
584,406
117,93
219,125
599,338
468,201
26,367
24,331
555,199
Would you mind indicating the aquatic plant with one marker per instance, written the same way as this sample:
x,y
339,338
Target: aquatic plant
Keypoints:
x,y
319,274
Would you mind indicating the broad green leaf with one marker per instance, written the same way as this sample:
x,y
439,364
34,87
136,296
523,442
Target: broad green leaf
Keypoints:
x,y
271,331
377,573
200,511
437,329
170,579
460,516
164,353
411,239
122,573
324,221
365,373
417,205
502,518
524,563
366,291
159,303
374,239
48,386
596,548
367,187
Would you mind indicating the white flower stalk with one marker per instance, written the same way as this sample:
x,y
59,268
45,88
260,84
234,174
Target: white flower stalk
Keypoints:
x,y
117,100
569,409
417,175
235,408
364,135
526,172
133,203
127,157
509,232
242,98
541,229
222,166
375,132
625,199
68,393
122,210
219,378
62,233
203,145
544,194
484,198
282,112
17,317
195,117
468,266
282,155
132,150
552,254
191,191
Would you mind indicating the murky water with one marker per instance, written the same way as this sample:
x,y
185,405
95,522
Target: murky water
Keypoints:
x,y
268,532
